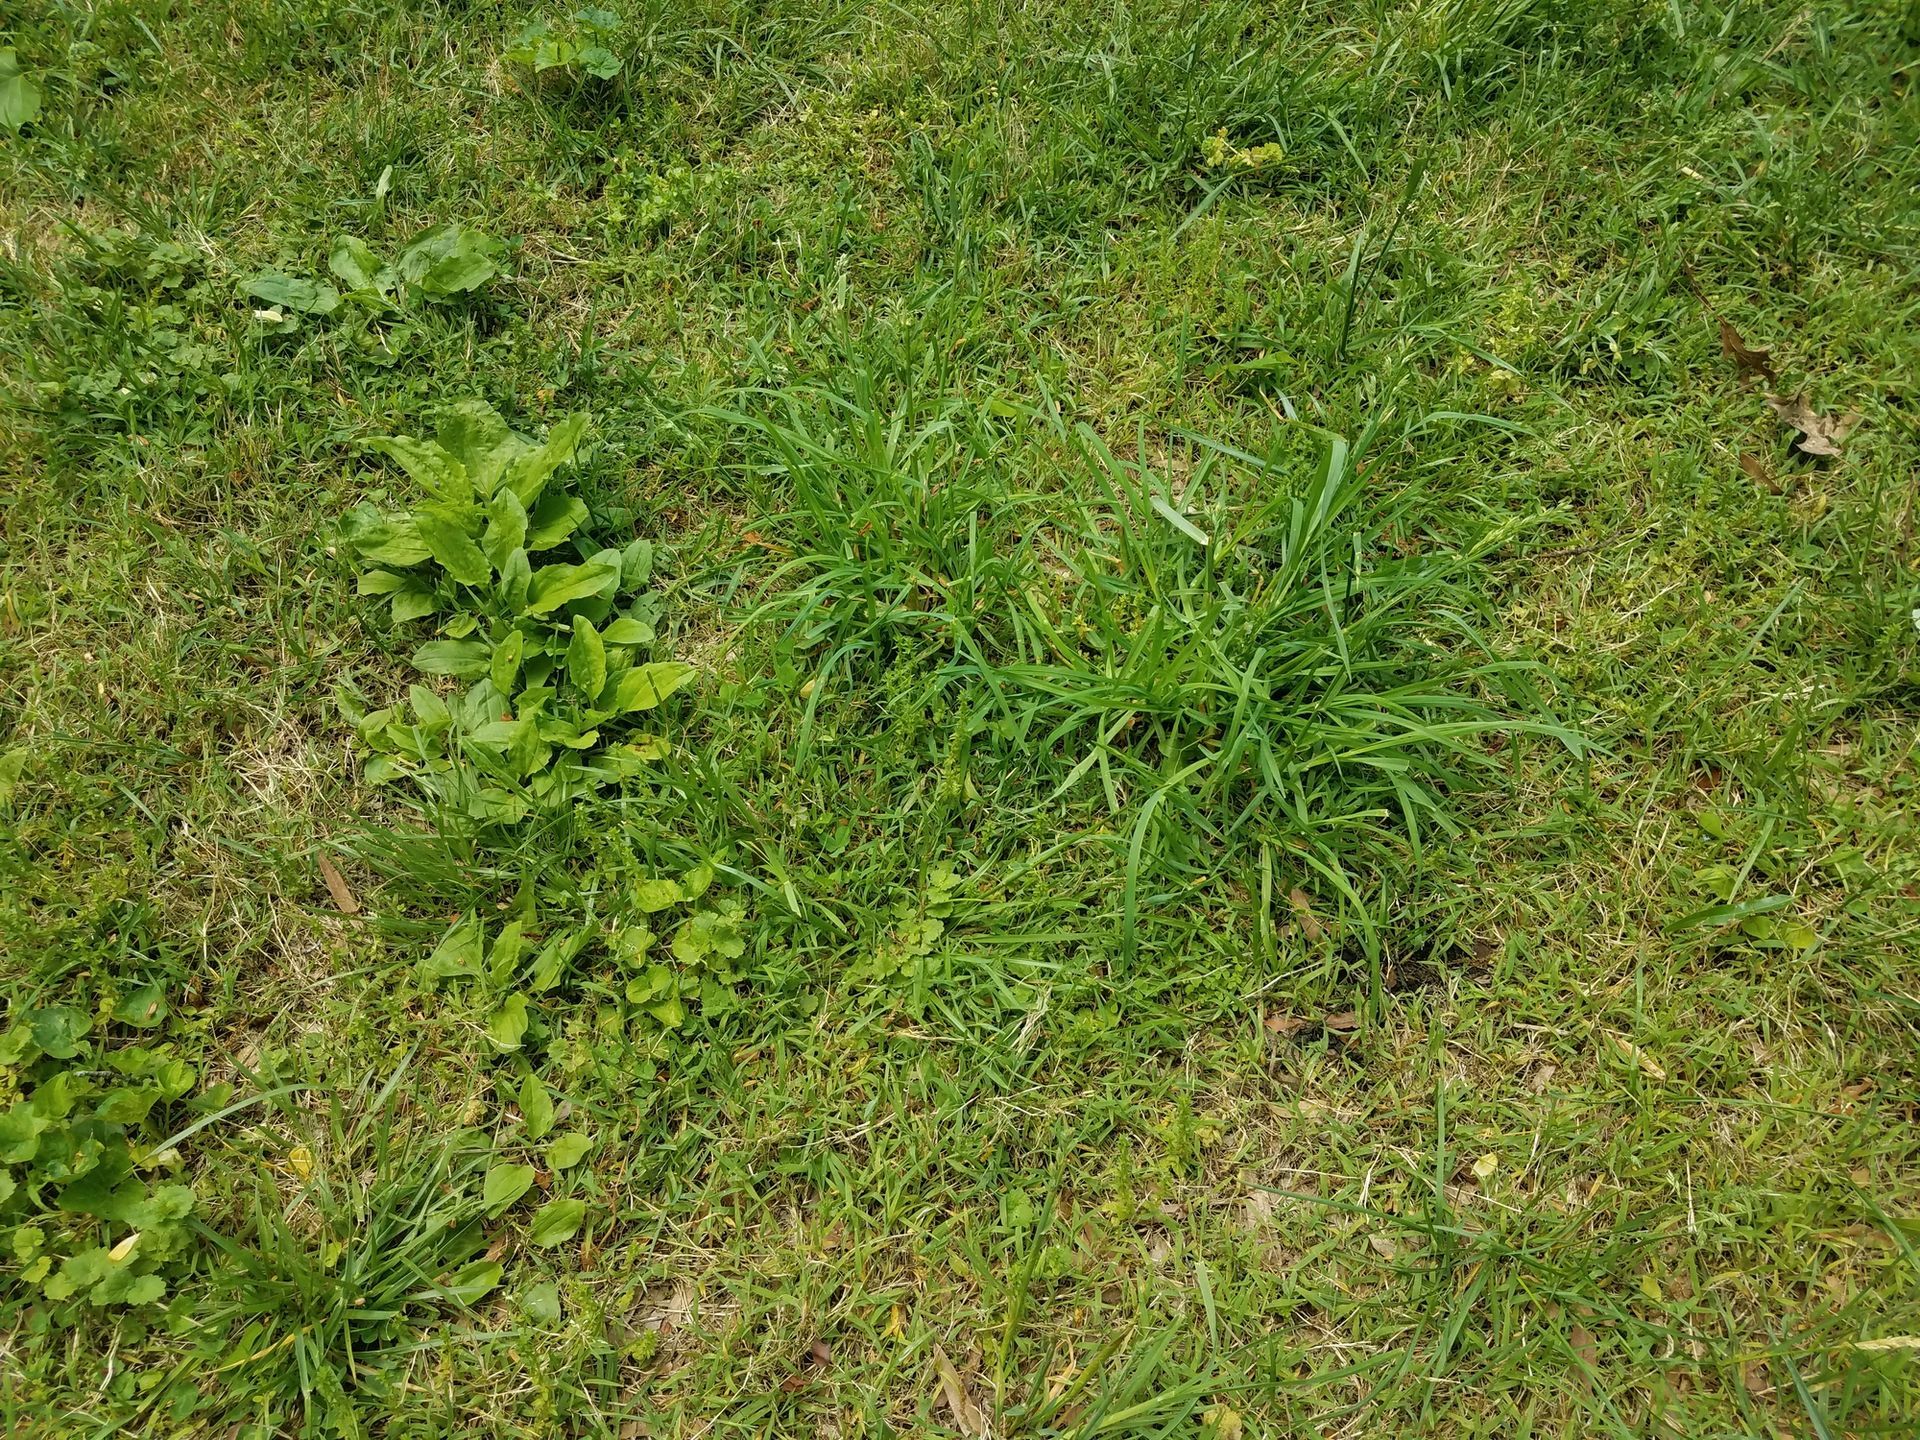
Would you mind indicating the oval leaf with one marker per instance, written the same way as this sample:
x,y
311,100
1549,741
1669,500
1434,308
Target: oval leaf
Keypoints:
x,y
557,1222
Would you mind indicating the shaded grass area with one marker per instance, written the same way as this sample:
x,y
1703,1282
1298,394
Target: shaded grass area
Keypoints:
x,y
1436,956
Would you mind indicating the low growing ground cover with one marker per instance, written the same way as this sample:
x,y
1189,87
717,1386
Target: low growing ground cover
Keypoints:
x,y
1021,719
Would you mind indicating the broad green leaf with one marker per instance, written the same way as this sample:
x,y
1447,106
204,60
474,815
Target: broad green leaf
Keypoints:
x,y
657,894
1798,934
628,631
21,1127
557,1222
568,1150
586,659
551,964
507,1026
412,603
542,1303
645,686
356,266
505,1184
381,582
636,565
553,520
598,61
506,528
516,575
290,292
554,585
473,433
473,1281
697,881
144,1006
528,473
504,958
19,93
458,953
505,665
59,1029
165,1205
428,708
126,1104
449,260
437,472
385,539
445,535
465,658
536,1106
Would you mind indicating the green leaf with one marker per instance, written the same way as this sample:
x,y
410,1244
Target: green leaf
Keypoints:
x,y
1717,915
458,953
290,292
446,536
384,539
557,1222
507,1026
645,686
697,881
437,472
126,1104
516,577
506,528
628,631
636,564
536,1106
449,260
468,659
353,263
553,520
412,603
504,958
528,473
473,433
504,1185
598,61
19,93
21,1127
568,1150
554,585
586,659
1798,934
505,665
144,1006
656,895
474,1281
59,1029
165,1205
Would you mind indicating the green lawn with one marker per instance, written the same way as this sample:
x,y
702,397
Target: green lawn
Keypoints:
x,y
1067,721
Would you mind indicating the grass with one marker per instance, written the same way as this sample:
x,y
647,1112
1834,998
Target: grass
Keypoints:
x,y
1320,800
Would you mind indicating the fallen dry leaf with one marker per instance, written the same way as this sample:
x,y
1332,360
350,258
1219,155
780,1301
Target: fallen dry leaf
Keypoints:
x,y
1286,1024
1649,1067
1303,907
1759,473
817,1356
967,1414
1747,361
1342,1020
343,898
1819,434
